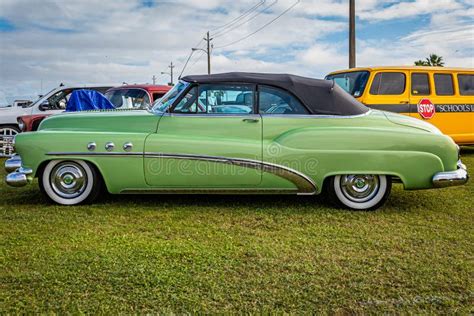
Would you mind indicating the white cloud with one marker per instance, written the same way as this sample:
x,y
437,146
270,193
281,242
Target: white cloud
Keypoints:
x,y
91,41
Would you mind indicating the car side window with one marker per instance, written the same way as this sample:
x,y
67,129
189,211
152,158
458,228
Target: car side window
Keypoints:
x,y
466,84
388,83
444,84
420,84
278,101
226,98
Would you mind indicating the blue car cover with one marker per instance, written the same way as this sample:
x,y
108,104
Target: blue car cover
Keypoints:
x,y
86,100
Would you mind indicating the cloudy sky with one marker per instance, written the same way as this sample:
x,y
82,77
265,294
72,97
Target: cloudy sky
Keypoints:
x,y
46,42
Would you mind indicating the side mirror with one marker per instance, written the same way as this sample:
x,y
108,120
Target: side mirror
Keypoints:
x,y
44,106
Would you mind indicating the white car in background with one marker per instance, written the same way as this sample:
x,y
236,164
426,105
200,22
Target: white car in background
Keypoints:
x,y
52,102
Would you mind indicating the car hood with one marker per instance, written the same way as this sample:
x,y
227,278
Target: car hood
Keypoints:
x,y
411,122
131,121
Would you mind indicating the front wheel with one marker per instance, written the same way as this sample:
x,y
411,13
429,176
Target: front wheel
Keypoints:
x,y
70,182
359,191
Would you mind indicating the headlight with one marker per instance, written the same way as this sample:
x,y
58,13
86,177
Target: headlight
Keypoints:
x,y
21,124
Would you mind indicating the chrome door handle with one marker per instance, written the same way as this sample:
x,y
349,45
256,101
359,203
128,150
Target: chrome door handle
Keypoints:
x,y
248,120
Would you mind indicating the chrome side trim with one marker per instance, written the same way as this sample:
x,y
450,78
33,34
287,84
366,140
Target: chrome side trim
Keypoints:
x,y
304,183
80,153
209,191
213,115
210,115
451,178
316,115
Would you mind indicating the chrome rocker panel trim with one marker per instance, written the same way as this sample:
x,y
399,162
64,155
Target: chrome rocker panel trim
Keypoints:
x,y
305,185
451,178
210,191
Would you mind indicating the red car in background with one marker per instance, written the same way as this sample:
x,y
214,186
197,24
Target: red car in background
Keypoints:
x,y
135,96
132,97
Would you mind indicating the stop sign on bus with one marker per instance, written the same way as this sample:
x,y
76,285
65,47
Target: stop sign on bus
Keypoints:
x,y
426,109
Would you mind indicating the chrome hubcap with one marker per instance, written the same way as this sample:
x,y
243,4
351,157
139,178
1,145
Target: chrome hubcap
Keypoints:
x,y
6,141
68,180
360,188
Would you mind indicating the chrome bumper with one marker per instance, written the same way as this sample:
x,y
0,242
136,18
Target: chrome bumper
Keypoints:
x,y
17,175
451,178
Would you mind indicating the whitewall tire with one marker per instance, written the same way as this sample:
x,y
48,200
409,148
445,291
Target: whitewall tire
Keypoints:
x,y
70,182
359,191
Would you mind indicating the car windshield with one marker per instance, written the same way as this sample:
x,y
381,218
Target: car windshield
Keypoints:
x,y
353,82
168,99
123,98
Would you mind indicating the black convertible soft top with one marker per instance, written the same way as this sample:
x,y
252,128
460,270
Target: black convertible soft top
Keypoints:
x,y
320,96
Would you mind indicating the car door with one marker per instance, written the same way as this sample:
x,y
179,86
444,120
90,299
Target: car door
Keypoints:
x,y
210,138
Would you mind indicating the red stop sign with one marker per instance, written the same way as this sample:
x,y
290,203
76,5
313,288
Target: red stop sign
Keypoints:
x,y
426,109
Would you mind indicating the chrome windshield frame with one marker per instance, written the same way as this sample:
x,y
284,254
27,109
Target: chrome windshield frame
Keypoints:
x,y
156,104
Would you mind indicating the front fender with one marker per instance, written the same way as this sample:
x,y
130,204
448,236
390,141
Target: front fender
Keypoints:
x,y
37,148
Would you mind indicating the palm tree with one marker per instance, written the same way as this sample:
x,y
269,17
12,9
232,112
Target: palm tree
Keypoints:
x,y
433,60
420,63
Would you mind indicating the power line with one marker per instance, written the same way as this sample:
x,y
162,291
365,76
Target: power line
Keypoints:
x,y
222,32
196,61
189,57
262,27
240,16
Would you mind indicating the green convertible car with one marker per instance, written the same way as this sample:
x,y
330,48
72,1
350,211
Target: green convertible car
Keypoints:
x,y
238,133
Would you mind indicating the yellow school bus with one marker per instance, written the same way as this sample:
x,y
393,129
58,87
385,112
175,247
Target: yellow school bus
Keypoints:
x,y
440,95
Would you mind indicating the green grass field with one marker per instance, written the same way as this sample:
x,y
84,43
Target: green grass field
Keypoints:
x,y
148,254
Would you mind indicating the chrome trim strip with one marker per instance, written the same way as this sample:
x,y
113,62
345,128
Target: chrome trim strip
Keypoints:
x,y
268,115
209,191
252,115
80,153
316,115
304,183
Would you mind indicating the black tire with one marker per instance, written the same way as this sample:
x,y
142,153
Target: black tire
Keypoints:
x,y
70,182
14,127
343,191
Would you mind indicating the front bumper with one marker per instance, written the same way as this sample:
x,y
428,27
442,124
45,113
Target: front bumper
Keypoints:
x,y
451,178
17,175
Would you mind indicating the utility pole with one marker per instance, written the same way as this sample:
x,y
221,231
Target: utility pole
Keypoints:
x,y
154,79
352,37
207,51
171,66
208,40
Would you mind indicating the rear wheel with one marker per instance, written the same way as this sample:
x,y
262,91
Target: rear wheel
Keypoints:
x,y
359,191
70,182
